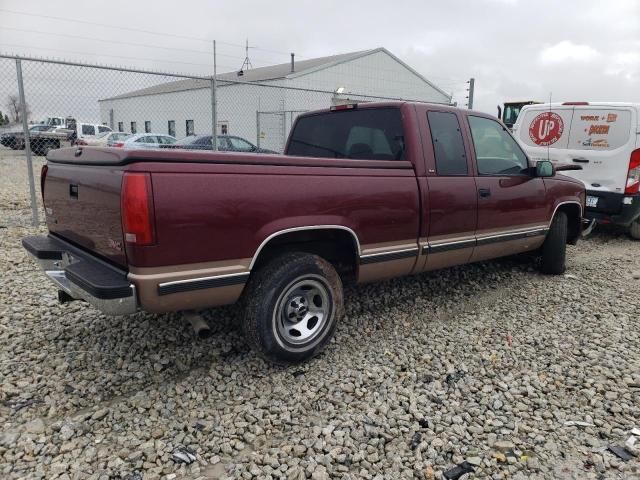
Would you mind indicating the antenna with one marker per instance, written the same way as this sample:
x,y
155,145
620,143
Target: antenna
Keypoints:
x,y
246,65
549,144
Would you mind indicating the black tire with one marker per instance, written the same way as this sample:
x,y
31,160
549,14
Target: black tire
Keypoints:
x,y
273,307
634,229
554,249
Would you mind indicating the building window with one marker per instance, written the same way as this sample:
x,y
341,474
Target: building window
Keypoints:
x,y
224,129
133,128
147,126
189,128
120,126
171,128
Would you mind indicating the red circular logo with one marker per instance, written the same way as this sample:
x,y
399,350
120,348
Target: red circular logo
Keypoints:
x,y
546,129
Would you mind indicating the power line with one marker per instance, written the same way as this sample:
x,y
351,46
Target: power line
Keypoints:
x,y
137,30
115,56
116,41
204,52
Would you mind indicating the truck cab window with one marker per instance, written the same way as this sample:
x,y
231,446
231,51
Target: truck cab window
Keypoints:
x,y
447,142
497,153
367,134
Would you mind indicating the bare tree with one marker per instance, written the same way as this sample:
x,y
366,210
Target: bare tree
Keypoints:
x,y
15,108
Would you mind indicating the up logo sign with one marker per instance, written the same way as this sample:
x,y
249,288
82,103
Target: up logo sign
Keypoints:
x,y
546,129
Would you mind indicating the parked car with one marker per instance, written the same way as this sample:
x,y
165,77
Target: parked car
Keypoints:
x,y
602,137
42,139
363,193
145,140
105,139
15,139
226,143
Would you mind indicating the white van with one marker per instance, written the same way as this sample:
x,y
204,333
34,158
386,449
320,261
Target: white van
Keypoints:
x,y
604,139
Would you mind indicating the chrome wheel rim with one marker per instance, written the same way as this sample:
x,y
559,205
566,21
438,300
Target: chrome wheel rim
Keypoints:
x,y
303,310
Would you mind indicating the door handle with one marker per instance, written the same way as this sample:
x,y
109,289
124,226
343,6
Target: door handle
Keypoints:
x,y
484,192
581,160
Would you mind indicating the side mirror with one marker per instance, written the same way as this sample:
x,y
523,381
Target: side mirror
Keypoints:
x,y
544,168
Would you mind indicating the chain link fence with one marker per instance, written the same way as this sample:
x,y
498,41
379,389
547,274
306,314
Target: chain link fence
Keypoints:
x,y
48,104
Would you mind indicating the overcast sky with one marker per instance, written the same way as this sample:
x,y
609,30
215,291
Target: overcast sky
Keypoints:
x,y
515,49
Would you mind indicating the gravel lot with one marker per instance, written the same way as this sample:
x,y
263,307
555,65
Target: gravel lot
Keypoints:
x,y
483,363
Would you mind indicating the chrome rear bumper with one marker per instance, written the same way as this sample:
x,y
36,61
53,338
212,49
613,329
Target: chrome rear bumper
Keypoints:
x,y
83,277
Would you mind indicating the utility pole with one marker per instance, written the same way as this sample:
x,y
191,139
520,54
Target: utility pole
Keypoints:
x,y
214,104
472,83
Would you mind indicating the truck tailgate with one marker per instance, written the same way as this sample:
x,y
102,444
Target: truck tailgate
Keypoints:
x,y
82,204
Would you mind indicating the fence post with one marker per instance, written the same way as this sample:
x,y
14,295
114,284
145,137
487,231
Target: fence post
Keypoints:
x,y
27,145
258,129
214,104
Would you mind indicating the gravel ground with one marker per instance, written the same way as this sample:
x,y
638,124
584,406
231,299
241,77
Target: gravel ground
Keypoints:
x,y
484,363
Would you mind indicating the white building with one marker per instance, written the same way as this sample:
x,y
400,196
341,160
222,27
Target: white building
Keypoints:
x,y
261,104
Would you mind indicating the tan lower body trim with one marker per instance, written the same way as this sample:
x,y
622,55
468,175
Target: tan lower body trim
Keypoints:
x,y
381,261
506,248
194,294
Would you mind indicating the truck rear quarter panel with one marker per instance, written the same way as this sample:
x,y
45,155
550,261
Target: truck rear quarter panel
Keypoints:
x,y
211,219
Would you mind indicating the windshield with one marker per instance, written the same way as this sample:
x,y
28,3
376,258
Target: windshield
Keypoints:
x,y
511,113
103,134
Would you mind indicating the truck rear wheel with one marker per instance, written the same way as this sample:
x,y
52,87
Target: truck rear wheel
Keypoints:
x,y
634,229
554,249
292,306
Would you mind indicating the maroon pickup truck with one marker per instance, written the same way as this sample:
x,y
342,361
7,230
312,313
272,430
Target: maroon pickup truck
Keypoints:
x,y
364,193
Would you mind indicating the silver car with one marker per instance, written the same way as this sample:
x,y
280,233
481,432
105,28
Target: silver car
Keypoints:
x,y
147,140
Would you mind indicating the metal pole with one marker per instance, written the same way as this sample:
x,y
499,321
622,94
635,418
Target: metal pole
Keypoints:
x,y
27,146
258,129
472,82
214,104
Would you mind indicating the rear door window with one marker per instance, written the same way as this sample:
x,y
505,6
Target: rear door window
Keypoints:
x,y
448,145
240,144
88,130
600,129
368,134
497,153
545,128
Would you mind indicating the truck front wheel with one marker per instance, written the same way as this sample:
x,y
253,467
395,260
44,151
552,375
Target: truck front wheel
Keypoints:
x,y
554,249
292,306
634,229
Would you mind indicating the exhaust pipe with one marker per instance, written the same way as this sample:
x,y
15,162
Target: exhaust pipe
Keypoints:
x,y
200,327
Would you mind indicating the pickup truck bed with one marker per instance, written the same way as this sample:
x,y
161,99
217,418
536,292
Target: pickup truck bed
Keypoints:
x,y
364,193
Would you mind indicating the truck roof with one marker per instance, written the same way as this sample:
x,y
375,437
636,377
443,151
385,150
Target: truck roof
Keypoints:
x,y
394,104
586,104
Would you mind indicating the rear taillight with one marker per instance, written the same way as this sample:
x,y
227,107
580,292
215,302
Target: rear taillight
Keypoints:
x,y
137,209
80,142
118,144
43,177
633,177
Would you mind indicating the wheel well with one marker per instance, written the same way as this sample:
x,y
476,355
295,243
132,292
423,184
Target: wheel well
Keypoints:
x,y
338,247
572,211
